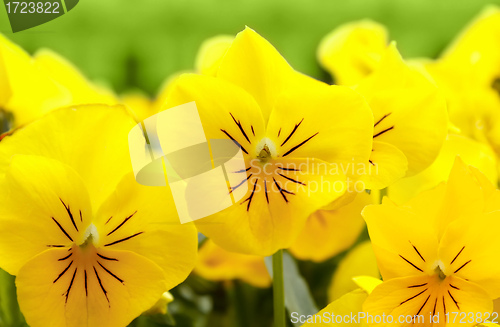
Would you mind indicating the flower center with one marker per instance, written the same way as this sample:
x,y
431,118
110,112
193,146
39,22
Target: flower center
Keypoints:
x,y
266,150
439,272
91,237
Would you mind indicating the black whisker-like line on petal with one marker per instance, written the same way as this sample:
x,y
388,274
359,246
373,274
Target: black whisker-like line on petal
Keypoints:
x,y
381,119
371,162
456,303
100,283
62,229
108,220
86,288
242,170
288,169
279,132
241,183
109,272
63,272
419,285
81,218
453,286
414,296
293,131
249,199
66,257
423,305
452,261
123,222
465,264
265,189
435,305
298,146
124,239
238,123
444,306
383,132
106,258
235,142
70,214
71,284
253,132
55,246
418,252
411,263
282,191
291,179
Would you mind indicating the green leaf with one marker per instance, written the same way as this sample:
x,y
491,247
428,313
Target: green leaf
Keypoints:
x,y
297,295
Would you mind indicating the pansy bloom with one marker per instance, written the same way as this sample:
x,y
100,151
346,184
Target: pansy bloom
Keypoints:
x,y
437,253
88,245
301,139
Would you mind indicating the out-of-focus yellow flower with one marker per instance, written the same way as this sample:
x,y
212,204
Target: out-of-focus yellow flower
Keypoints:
x,y
291,125
161,307
353,51
217,264
347,306
411,121
26,91
360,261
89,246
438,253
210,54
329,232
471,152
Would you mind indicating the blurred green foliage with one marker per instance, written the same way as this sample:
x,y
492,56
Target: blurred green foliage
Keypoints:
x,y
137,44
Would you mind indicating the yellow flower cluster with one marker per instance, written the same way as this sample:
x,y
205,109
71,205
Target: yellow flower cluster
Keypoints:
x,y
89,246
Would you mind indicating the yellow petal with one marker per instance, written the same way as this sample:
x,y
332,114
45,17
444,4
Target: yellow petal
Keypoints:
x,y
221,106
470,151
353,51
253,64
86,294
409,110
144,220
93,140
211,53
217,264
335,121
139,105
46,206
329,232
475,237
275,208
404,242
387,165
34,93
425,295
349,305
65,74
367,283
360,261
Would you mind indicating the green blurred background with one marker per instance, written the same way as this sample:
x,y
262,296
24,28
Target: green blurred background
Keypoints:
x,y
132,44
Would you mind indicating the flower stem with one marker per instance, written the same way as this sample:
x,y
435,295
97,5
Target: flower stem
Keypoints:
x,y
278,290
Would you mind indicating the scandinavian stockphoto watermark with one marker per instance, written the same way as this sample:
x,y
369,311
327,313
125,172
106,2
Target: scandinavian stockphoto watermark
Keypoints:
x,y
327,317
208,176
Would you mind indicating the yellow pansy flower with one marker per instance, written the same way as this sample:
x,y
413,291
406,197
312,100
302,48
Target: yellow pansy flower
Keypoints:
x,y
88,245
353,51
437,253
295,127
217,264
329,232
411,120
469,74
